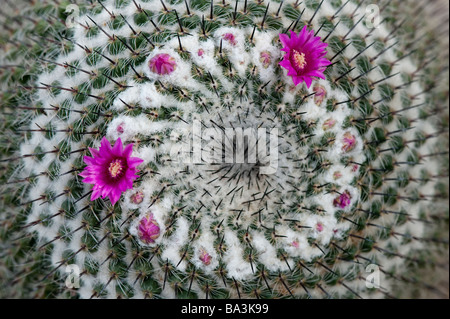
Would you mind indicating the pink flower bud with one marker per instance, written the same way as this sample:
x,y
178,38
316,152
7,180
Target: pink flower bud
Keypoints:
x,y
265,59
337,175
328,124
230,38
319,227
205,257
162,64
137,197
120,128
343,200
148,229
348,142
320,95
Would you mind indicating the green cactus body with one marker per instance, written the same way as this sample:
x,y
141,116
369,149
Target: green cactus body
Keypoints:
x,y
357,184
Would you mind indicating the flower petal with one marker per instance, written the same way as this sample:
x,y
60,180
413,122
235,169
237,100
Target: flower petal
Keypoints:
x,y
284,38
105,146
134,161
308,81
118,148
114,196
128,150
96,193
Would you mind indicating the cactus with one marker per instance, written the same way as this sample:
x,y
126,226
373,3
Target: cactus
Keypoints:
x,y
358,186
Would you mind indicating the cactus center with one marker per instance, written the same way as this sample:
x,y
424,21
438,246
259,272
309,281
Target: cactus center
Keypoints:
x,y
299,60
115,168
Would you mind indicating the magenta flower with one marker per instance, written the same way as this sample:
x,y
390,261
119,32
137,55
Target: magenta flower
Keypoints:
x,y
328,124
343,200
111,170
305,56
162,64
148,229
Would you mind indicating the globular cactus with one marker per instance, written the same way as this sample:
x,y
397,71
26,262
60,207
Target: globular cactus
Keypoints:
x,y
348,183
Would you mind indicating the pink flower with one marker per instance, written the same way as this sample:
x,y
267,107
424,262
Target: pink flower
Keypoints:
x,y
305,56
162,64
265,59
111,170
200,52
320,95
343,200
348,142
230,38
148,229
355,167
295,244
205,257
137,198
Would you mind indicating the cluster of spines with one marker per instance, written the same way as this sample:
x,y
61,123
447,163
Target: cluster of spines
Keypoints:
x,y
371,180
